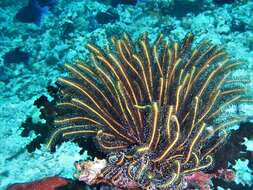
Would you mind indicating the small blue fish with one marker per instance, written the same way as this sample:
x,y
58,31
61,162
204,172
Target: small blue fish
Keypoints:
x,y
31,13
16,56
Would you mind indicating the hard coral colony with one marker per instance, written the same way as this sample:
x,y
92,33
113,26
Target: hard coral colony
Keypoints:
x,y
156,110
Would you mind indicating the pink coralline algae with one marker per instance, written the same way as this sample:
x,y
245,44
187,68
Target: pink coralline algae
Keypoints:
x,y
202,180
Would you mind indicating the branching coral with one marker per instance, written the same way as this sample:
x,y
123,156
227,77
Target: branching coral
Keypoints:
x,y
155,109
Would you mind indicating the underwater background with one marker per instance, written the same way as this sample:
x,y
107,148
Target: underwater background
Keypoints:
x,y
37,37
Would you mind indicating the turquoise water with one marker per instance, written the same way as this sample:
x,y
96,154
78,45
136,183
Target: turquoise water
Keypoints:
x,y
38,37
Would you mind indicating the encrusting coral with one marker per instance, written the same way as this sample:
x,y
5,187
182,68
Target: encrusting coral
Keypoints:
x,y
155,109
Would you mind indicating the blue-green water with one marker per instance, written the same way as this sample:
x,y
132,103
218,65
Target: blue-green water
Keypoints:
x,y
38,36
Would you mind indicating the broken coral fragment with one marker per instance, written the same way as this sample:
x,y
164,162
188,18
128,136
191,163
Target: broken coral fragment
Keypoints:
x,y
89,171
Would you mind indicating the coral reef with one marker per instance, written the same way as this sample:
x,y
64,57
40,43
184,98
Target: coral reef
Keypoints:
x,y
244,173
60,39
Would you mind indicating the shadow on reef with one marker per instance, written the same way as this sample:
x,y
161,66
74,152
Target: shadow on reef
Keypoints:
x,y
34,10
16,56
181,8
115,3
221,2
234,149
